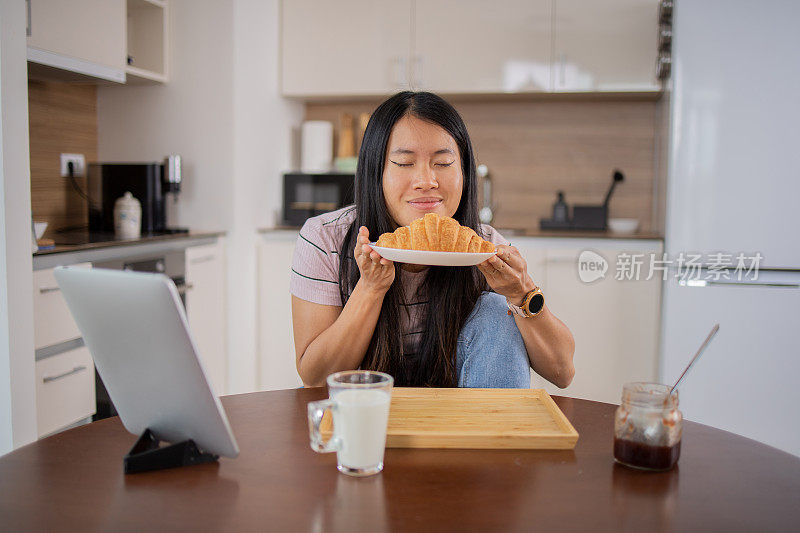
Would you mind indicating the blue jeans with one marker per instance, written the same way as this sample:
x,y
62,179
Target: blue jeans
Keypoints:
x,y
491,352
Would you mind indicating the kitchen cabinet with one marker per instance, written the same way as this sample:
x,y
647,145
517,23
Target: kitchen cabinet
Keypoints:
x,y
277,368
52,321
206,309
82,36
474,47
354,47
615,323
605,46
535,256
65,390
147,41
115,40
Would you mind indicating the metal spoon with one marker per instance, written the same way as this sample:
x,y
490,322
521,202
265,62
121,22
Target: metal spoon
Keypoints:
x,y
713,332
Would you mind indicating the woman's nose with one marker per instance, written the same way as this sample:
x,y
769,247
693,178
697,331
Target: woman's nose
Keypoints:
x,y
426,179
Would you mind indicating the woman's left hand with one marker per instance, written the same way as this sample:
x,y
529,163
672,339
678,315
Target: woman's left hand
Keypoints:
x,y
507,274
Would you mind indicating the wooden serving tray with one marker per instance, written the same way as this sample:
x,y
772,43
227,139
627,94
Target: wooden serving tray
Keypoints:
x,y
474,418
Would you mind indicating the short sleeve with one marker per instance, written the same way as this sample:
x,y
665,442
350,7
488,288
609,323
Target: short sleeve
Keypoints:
x,y
315,266
493,236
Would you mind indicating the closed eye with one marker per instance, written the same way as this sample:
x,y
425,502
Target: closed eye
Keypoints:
x,y
412,164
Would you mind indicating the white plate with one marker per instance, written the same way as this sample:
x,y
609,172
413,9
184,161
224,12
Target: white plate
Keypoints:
x,y
420,257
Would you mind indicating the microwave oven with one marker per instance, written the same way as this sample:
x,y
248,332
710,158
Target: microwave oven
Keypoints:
x,y
307,195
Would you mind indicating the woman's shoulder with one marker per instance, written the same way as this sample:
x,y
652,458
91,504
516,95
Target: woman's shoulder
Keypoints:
x,y
493,236
329,228
315,264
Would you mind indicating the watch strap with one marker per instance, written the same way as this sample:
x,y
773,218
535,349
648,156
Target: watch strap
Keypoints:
x,y
524,310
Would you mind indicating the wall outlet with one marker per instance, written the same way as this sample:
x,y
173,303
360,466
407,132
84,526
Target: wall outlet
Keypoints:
x,y
78,164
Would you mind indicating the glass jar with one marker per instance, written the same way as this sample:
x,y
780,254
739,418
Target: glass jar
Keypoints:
x,y
647,427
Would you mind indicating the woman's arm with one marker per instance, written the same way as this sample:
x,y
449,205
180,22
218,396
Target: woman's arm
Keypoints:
x,y
330,338
548,341
550,346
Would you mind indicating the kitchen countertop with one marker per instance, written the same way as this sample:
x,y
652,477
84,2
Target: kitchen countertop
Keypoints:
x,y
105,243
511,232
568,234
81,249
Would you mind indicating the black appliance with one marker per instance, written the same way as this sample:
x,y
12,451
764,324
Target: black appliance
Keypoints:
x,y
584,217
308,195
150,183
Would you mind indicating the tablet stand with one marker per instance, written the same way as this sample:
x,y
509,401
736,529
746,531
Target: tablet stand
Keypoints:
x,y
147,454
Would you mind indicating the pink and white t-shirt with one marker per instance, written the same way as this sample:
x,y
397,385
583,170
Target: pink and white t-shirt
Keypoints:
x,y
315,269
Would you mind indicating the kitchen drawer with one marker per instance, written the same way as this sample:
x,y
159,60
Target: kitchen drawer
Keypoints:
x,y
64,390
52,321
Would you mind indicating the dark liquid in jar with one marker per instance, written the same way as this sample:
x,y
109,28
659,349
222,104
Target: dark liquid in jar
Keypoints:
x,y
645,456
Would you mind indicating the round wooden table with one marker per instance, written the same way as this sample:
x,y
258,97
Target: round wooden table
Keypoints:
x,y
74,481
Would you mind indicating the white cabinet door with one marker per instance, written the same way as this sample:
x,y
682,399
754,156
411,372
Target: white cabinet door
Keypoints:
x,y
65,390
614,323
349,47
536,256
605,46
473,46
277,368
206,309
52,320
87,30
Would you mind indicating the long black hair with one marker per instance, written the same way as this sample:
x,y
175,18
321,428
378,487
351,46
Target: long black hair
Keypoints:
x,y
451,292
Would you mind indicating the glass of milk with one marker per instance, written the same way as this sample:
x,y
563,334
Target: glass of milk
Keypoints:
x,y
359,404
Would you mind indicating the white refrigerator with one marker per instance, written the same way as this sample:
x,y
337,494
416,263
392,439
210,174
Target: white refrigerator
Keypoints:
x,y
734,187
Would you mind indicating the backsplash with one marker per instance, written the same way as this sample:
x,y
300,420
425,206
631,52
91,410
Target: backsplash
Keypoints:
x,y
533,148
63,119
536,147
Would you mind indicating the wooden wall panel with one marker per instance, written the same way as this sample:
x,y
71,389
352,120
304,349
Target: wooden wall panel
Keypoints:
x,y
534,148
63,119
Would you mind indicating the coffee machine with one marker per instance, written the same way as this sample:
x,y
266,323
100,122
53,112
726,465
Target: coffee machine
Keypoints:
x,y
150,183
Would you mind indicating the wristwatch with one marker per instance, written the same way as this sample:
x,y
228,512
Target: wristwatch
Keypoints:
x,y
532,304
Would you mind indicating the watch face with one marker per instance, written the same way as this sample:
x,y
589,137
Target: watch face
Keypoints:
x,y
536,304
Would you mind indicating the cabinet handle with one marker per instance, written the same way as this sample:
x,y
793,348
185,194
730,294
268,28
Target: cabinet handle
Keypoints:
x,y
186,287
202,259
29,27
45,290
708,283
48,379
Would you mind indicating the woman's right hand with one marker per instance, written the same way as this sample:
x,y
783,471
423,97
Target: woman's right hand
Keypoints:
x,y
377,273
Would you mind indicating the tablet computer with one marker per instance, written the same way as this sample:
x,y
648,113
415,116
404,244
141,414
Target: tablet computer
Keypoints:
x,y
136,330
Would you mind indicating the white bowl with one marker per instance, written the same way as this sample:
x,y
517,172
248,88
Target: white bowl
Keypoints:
x,y
38,229
623,225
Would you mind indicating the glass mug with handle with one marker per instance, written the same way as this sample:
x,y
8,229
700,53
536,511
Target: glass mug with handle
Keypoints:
x,y
359,404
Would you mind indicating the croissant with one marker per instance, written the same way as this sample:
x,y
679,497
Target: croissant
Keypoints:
x,y
436,234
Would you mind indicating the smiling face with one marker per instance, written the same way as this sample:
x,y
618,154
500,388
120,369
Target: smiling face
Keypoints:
x,y
422,171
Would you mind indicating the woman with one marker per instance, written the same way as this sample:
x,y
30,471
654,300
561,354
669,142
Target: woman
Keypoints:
x,y
426,326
